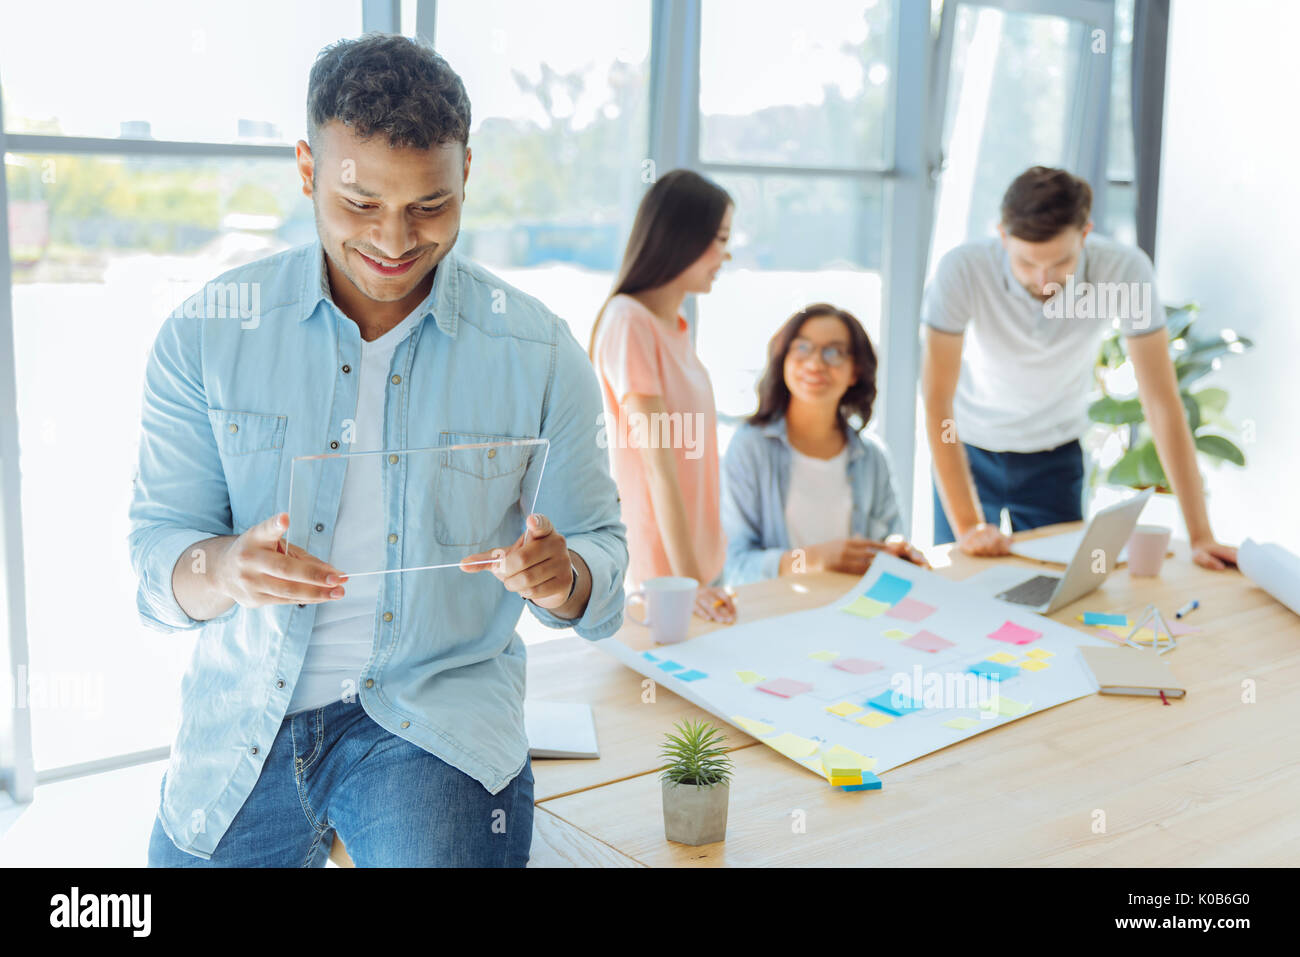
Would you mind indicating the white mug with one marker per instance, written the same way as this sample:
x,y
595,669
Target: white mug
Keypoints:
x,y
1146,550
669,602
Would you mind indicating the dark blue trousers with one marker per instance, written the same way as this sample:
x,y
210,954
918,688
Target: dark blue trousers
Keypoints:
x,y
1036,488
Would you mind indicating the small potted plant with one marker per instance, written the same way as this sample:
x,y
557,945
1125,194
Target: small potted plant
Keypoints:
x,y
696,784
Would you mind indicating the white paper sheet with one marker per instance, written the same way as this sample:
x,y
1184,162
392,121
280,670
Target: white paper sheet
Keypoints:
x,y
1058,549
1273,569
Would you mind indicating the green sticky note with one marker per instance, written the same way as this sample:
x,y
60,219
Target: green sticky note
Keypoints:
x,y
749,677
825,655
1007,707
865,607
896,634
961,724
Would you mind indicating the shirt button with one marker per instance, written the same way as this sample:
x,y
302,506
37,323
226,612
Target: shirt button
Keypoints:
x,y
320,527
406,724
392,538
370,682
392,460
388,616
233,428
347,368
396,379
492,453
253,750
280,683
334,445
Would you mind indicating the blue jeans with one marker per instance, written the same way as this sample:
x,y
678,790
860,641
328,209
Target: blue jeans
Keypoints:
x,y
335,770
1036,488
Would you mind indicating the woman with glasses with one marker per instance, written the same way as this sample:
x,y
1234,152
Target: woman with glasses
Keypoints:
x,y
803,491
660,418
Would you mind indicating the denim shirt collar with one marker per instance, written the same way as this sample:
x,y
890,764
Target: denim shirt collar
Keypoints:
x,y
776,429
443,299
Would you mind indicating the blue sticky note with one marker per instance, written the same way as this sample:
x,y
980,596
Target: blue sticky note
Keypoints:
x,y
889,588
894,703
670,666
648,657
1101,618
691,675
994,670
869,783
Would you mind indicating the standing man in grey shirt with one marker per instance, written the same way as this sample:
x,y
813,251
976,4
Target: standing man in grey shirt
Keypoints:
x,y
1004,410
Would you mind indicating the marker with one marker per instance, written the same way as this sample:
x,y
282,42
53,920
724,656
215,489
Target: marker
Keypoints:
x,y
1187,609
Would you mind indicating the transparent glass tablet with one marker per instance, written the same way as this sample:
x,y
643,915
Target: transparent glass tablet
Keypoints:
x,y
456,501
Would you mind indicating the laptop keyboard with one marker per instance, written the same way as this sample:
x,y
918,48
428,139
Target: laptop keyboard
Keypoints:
x,y
1035,591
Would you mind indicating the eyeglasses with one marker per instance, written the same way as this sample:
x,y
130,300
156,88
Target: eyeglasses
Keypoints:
x,y
803,350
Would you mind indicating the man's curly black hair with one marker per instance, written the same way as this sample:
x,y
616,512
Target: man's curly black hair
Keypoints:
x,y
391,85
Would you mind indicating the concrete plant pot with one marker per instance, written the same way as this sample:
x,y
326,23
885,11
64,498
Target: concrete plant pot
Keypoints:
x,y
693,814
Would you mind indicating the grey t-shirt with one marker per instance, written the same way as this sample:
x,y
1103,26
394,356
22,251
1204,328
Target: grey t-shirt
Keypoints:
x,y
1026,370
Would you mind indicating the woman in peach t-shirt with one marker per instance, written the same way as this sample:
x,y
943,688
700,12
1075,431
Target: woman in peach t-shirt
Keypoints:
x,y
660,419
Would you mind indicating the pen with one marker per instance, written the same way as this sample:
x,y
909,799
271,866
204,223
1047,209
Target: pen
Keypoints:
x,y
1187,609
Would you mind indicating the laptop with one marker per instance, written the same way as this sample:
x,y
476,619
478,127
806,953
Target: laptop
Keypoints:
x,y
1104,538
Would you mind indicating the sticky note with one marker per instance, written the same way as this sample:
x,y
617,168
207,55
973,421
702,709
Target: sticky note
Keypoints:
x,y
994,670
749,677
1036,653
857,666
814,764
1035,664
670,666
756,728
874,719
961,724
825,655
928,641
842,757
1015,634
841,780
649,657
889,588
894,703
869,783
1177,628
1002,657
792,746
1102,618
909,609
865,607
690,675
784,687
1006,707
844,709
895,634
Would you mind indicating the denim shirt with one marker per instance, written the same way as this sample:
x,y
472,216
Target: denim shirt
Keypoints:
x,y
233,394
756,484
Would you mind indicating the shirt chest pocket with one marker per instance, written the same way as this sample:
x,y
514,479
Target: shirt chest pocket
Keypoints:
x,y
251,445
480,492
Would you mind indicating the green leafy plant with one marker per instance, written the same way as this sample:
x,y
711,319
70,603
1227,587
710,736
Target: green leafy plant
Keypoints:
x,y
695,755
1193,357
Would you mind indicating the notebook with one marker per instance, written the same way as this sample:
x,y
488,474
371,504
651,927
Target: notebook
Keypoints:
x,y
560,730
1131,671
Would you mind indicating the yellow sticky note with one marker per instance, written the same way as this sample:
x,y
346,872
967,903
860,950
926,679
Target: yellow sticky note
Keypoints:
x,y
895,634
1040,653
961,724
749,677
825,655
792,746
844,709
865,607
874,719
814,764
1034,664
1007,707
1144,636
838,756
753,727
1002,658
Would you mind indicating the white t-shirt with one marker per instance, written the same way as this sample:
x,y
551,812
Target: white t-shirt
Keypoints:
x,y
819,503
1027,366
343,632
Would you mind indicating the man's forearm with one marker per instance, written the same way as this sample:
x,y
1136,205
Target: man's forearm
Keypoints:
x,y
1177,452
193,582
952,473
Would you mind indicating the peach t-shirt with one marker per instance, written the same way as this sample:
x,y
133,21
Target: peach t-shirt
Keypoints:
x,y
635,353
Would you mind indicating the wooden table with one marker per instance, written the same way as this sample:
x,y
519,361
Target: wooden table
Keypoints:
x,y
1103,780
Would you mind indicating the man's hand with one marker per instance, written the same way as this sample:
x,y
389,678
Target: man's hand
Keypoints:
x,y
1210,554
984,539
255,570
536,567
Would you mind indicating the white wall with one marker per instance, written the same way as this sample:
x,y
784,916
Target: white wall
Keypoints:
x,y
1229,236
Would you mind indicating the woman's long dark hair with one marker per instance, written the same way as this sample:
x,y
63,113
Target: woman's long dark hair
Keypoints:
x,y
677,219
773,394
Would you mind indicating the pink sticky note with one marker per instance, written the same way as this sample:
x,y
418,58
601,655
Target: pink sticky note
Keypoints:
x,y
909,609
1177,628
859,666
927,641
1014,634
784,687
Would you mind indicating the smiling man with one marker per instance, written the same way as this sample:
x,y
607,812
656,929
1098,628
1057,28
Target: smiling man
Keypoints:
x,y
1013,326
386,709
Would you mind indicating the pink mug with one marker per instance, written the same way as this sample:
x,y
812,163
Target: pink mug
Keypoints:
x,y
1146,550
